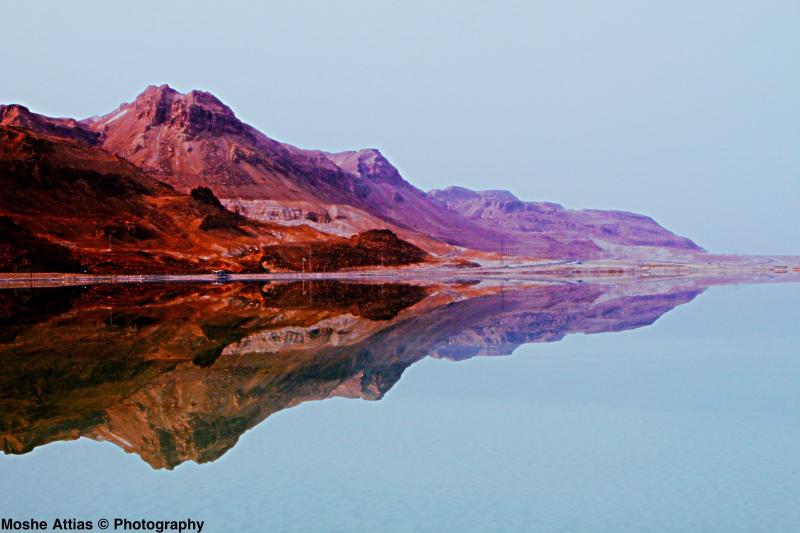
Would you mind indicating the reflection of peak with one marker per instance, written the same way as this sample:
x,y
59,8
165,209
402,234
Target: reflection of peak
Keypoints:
x,y
211,362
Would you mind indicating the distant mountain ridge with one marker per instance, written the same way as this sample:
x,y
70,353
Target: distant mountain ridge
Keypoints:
x,y
504,210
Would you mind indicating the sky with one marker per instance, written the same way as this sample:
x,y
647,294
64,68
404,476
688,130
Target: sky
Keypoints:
x,y
686,111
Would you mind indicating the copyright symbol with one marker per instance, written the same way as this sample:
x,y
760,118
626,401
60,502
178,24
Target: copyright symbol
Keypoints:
x,y
102,523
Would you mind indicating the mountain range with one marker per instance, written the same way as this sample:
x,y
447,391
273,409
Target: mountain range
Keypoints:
x,y
174,182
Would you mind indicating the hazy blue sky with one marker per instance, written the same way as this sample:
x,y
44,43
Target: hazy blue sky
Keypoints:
x,y
687,111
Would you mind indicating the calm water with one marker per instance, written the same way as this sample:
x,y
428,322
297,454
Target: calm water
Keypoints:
x,y
679,411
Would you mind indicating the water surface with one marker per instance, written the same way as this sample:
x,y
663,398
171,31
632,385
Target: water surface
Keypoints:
x,y
656,407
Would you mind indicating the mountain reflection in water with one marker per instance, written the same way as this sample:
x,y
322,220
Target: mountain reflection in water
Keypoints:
x,y
180,372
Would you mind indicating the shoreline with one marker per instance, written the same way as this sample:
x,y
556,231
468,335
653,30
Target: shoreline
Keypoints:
x,y
725,271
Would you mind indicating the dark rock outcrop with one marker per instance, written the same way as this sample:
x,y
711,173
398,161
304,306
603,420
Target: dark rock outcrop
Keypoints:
x,y
22,251
375,247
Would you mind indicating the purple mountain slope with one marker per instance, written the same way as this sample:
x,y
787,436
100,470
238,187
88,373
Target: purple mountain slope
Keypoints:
x,y
607,229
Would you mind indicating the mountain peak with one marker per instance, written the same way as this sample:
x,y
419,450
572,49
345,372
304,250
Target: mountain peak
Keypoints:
x,y
367,163
159,93
208,99
12,108
20,116
460,194
452,193
192,113
155,102
157,89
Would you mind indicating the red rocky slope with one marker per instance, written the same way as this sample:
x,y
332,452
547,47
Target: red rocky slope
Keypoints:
x,y
69,205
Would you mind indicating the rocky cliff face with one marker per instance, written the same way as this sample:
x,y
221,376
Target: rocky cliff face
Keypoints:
x,y
374,247
177,373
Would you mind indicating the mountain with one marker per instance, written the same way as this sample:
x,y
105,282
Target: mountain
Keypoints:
x,y
68,205
21,117
180,372
175,182
190,140
610,230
